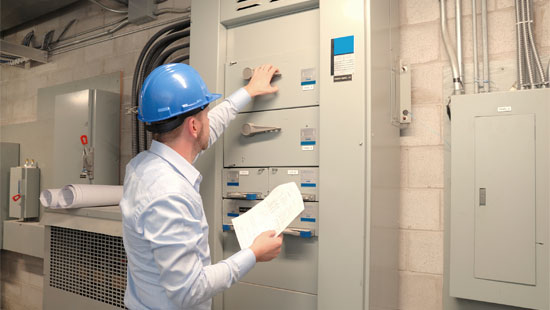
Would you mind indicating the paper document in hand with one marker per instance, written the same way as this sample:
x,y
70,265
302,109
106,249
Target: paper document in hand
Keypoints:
x,y
275,212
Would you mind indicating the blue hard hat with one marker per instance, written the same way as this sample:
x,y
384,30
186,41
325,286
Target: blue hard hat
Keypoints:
x,y
171,90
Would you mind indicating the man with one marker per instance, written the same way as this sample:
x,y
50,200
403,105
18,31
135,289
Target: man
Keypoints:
x,y
164,227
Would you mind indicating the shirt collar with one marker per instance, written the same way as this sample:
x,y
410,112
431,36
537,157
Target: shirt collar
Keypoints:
x,y
177,161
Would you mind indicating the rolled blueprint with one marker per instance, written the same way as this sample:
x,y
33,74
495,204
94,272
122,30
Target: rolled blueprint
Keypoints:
x,y
48,198
87,195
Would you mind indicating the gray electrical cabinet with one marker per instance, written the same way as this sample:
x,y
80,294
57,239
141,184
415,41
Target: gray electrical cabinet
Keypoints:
x,y
499,198
86,138
9,157
328,129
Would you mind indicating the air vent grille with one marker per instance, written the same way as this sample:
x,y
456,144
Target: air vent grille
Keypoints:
x,y
247,4
88,264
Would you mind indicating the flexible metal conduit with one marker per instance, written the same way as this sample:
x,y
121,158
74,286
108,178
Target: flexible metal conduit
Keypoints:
x,y
458,87
458,25
529,23
519,45
485,43
475,52
146,62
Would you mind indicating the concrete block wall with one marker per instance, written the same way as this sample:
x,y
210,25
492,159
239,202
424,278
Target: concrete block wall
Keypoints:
x,y
423,145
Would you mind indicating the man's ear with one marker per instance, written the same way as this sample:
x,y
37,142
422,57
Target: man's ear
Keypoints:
x,y
193,126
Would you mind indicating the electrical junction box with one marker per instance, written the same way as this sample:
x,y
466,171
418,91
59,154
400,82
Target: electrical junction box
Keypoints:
x,y
24,192
86,138
9,157
499,198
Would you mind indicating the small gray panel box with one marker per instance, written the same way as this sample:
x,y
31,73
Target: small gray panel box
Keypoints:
x,y
499,198
308,220
307,179
296,266
298,80
293,144
245,183
24,192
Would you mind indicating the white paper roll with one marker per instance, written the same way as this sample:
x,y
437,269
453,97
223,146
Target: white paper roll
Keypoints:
x,y
48,198
87,195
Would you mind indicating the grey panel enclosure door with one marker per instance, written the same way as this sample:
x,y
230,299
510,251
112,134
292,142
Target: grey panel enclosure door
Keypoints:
x,y
505,198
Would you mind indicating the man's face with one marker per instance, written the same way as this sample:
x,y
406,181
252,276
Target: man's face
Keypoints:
x,y
204,134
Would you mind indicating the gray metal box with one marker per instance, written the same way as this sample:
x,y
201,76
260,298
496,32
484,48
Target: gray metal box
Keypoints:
x,y
296,266
307,221
298,80
24,192
295,144
94,114
499,198
245,183
307,179
9,157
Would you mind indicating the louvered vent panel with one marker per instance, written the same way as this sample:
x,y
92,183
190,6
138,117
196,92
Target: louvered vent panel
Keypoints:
x,y
247,4
88,264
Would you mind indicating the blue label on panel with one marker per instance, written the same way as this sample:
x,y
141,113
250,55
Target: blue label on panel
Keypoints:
x,y
308,83
307,143
233,214
305,234
308,185
232,183
226,227
307,219
343,45
250,196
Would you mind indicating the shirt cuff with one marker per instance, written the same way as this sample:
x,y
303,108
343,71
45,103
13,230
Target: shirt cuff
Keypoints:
x,y
245,259
240,98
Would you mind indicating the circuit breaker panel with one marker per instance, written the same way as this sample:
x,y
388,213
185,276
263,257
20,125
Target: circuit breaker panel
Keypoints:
x,y
275,140
499,213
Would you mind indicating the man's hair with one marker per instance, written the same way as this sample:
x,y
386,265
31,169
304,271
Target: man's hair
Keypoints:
x,y
169,129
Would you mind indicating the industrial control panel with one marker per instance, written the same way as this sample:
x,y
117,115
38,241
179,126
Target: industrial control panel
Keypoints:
x,y
499,198
275,140
328,129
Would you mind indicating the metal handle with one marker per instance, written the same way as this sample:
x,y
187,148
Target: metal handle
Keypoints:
x,y
247,196
248,72
251,129
298,232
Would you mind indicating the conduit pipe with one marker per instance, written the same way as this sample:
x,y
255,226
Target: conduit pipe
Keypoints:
x,y
485,40
95,36
525,41
474,39
457,82
458,25
531,38
519,45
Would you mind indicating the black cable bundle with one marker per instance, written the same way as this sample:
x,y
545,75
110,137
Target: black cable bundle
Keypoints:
x,y
154,54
